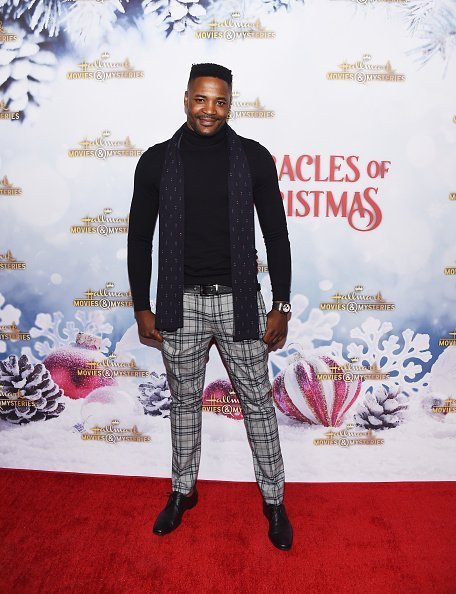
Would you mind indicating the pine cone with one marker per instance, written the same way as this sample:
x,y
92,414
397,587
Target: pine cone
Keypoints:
x,y
86,23
26,68
176,16
275,5
155,396
11,9
38,14
20,379
381,410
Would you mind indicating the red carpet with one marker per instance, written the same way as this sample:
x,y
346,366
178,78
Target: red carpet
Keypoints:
x,y
65,532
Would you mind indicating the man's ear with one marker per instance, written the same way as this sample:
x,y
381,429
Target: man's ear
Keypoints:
x,y
186,101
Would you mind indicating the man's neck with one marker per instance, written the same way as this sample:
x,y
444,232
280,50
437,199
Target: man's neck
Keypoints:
x,y
193,137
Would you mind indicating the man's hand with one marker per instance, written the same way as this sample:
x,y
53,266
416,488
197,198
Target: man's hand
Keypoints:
x,y
276,329
146,325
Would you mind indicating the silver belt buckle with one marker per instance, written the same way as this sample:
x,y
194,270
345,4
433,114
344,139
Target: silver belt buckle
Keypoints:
x,y
209,293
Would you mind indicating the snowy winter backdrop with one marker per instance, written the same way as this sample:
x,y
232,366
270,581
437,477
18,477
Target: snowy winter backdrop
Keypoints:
x,y
356,101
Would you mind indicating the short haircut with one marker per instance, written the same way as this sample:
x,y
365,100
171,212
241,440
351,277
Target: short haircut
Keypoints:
x,y
208,69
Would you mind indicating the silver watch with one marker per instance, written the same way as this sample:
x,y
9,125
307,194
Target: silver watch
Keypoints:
x,y
282,306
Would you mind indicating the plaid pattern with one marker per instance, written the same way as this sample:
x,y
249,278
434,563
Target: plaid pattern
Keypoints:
x,y
185,354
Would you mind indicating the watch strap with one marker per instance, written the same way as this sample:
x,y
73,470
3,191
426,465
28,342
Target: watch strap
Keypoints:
x,y
282,306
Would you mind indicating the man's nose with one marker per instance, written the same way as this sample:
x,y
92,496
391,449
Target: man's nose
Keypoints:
x,y
210,107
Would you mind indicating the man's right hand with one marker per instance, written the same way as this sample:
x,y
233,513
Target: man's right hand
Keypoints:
x,y
146,325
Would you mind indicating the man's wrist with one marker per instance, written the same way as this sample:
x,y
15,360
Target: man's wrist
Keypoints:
x,y
141,311
282,306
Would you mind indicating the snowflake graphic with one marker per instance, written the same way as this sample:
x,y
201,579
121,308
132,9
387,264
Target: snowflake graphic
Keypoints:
x,y
49,328
400,359
303,332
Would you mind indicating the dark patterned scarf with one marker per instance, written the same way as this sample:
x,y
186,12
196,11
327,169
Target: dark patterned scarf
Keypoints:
x,y
170,283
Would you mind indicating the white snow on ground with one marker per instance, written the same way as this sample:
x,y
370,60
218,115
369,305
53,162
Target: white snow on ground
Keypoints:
x,y
423,449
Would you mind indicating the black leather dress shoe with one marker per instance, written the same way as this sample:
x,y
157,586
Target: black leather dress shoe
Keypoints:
x,y
170,518
280,530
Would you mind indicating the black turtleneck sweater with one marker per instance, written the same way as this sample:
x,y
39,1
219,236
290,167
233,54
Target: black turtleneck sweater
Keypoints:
x,y
206,220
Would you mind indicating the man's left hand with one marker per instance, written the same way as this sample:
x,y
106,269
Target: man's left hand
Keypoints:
x,y
276,329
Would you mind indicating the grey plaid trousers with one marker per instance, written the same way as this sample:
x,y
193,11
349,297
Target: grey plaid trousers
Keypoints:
x,y
185,354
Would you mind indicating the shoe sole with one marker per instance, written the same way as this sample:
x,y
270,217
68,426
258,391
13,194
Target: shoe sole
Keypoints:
x,y
281,548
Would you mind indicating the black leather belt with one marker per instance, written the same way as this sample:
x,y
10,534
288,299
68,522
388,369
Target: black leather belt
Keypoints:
x,y
210,289
207,289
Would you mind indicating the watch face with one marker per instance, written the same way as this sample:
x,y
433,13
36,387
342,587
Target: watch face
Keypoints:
x,y
286,307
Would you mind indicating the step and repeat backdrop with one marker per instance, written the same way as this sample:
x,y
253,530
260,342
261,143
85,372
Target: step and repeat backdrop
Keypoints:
x,y
356,102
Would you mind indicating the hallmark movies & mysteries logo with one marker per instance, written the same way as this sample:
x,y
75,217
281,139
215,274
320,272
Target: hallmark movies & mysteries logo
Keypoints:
x,y
262,266
8,189
106,298
448,406
110,368
350,372
363,71
357,301
234,28
6,114
9,262
13,332
113,433
5,36
16,398
102,224
248,109
102,69
227,404
448,342
104,147
349,436
449,270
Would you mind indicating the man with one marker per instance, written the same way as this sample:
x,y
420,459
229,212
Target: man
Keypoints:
x,y
204,182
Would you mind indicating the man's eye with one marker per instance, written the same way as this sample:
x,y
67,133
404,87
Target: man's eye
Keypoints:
x,y
221,103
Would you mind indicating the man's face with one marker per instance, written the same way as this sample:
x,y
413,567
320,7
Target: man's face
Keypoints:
x,y
207,103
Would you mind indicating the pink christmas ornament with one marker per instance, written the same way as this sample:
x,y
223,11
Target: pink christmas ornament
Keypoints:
x,y
70,367
439,407
443,374
300,393
110,402
219,397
